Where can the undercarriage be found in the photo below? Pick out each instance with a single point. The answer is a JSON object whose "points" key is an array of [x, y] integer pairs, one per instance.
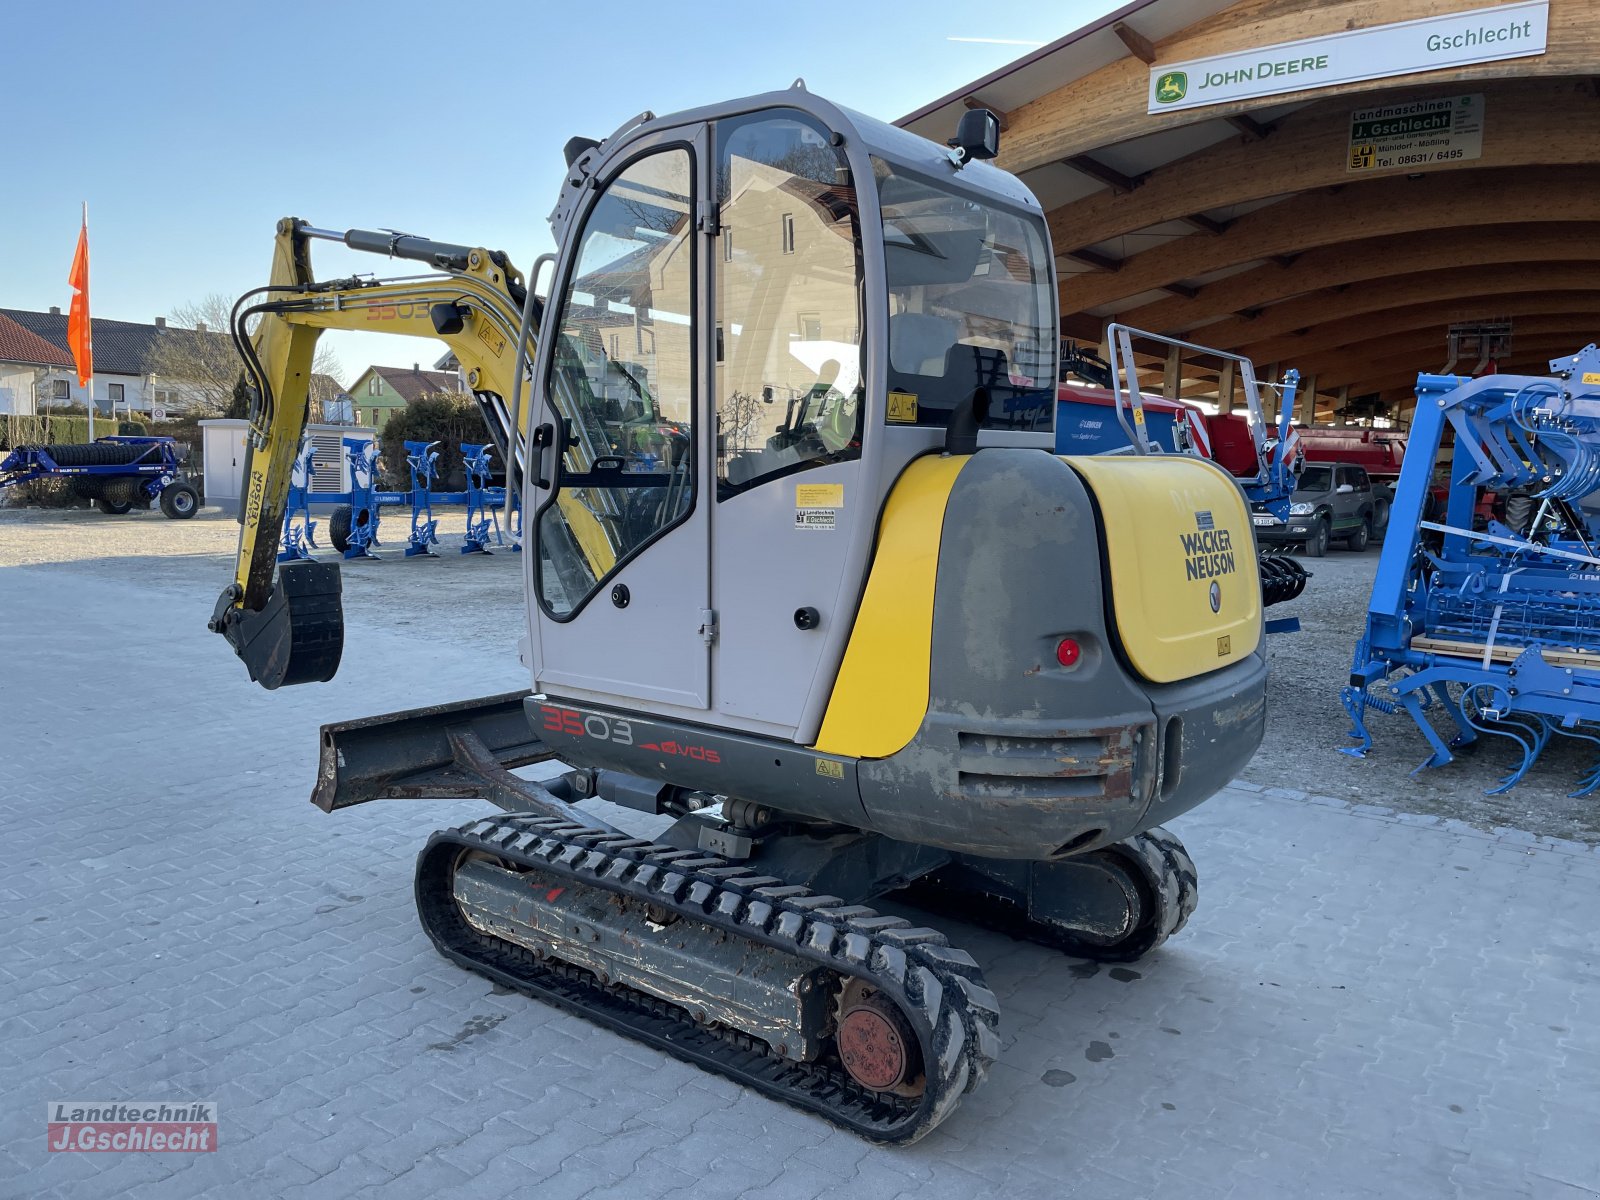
{"points": [[764, 962]]}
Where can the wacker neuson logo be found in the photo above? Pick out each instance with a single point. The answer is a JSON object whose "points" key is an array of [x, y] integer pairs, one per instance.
{"points": [[1401, 48], [1207, 553], [99, 1126]]}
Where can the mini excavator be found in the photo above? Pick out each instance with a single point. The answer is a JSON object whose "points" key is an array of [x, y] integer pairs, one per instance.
{"points": [[804, 574]]}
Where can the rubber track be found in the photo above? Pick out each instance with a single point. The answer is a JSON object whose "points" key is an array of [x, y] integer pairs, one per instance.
{"points": [[1164, 868], [939, 988]]}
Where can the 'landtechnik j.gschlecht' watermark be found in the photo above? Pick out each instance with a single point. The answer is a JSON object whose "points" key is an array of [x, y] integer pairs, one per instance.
{"points": [[131, 1125]]}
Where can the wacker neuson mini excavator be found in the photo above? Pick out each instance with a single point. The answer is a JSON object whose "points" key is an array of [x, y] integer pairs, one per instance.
{"points": [[803, 572]]}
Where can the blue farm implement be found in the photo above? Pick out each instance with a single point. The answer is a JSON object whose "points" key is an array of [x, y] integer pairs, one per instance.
{"points": [[1497, 629], [114, 472], [354, 520]]}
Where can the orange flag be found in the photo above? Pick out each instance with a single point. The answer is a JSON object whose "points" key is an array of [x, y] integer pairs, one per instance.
{"points": [[79, 336]]}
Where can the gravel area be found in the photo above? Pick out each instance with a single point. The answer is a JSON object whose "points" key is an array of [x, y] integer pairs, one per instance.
{"points": [[473, 599]]}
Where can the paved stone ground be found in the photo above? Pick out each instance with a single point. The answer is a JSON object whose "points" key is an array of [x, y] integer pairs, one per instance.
{"points": [[1366, 1003]]}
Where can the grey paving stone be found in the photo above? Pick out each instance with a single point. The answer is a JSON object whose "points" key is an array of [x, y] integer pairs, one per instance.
{"points": [[1341, 986]]}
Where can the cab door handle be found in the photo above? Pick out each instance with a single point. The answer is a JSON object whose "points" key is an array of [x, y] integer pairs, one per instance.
{"points": [[544, 436]]}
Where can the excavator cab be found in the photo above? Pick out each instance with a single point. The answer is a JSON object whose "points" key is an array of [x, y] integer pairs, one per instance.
{"points": [[812, 297], [805, 574]]}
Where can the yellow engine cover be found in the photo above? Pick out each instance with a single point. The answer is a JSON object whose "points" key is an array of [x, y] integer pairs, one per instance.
{"points": [[1186, 594]]}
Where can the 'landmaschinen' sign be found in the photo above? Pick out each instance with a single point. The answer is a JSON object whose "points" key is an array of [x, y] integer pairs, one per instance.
{"points": [[1429, 44]]}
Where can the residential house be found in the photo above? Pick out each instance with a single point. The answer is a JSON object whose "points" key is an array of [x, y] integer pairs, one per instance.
{"points": [[123, 379], [26, 361], [378, 391]]}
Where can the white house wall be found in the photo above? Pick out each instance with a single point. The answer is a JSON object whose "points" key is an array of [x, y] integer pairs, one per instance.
{"points": [[16, 389]]}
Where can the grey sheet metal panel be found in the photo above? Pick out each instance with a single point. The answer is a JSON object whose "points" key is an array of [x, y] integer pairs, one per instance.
{"points": [[1020, 757], [723, 762]]}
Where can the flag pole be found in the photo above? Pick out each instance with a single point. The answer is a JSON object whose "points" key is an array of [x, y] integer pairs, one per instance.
{"points": [[90, 397]]}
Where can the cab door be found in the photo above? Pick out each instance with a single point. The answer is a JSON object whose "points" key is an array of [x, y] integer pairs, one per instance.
{"points": [[791, 524], [618, 580]]}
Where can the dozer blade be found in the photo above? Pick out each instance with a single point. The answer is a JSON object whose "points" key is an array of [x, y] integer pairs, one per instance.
{"points": [[298, 636], [863, 1019]]}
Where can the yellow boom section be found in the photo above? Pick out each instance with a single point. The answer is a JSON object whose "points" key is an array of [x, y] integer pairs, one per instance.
{"points": [[296, 310]]}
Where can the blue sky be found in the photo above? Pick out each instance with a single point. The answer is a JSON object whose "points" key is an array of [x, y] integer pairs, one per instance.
{"points": [[190, 128]]}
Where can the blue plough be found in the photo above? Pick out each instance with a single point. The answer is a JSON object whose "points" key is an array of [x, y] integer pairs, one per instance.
{"points": [[355, 519]]}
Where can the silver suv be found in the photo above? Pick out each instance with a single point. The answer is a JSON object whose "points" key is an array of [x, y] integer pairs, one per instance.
{"points": [[1332, 501]]}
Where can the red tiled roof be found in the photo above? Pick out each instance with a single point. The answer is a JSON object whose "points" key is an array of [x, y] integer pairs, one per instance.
{"points": [[18, 345]]}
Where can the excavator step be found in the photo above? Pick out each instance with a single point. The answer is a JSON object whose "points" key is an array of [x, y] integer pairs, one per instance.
{"points": [[902, 1009]]}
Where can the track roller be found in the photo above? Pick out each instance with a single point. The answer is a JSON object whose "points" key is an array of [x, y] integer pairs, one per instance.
{"points": [[1115, 904]]}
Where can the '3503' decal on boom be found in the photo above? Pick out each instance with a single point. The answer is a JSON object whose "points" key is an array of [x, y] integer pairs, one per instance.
{"points": [[572, 723]]}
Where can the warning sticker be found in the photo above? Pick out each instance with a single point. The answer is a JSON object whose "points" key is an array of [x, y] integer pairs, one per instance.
{"points": [[816, 520], [903, 408], [819, 495], [831, 770], [1427, 133], [1591, 376]]}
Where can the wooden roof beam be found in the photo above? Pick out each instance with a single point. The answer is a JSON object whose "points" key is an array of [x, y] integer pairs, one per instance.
{"points": [[1204, 223], [1108, 105], [1296, 159], [1389, 206], [1108, 175], [1464, 284], [1368, 260], [1093, 258], [1383, 362], [1251, 128], [1533, 312], [1138, 45]]}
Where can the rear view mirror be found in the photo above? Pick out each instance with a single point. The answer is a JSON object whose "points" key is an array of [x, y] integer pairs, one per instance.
{"points": [[1344, 489], [977, 136]]}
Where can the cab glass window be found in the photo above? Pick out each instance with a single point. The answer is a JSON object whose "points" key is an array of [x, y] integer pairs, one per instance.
{"points": [[971, 310], [622, 382], [788, 302]]}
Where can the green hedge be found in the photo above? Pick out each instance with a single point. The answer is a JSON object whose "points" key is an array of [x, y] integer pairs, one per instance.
{"points": [[48, 428], [448, 418]]}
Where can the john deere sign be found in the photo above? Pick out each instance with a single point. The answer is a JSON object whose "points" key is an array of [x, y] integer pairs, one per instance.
{"points": [[1429, 44]]}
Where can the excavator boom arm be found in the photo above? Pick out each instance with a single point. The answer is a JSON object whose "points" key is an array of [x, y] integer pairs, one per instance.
{"points": [[286, 622]]}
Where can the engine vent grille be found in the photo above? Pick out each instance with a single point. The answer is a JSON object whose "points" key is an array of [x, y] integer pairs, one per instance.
{"points": [[1089, 765]]}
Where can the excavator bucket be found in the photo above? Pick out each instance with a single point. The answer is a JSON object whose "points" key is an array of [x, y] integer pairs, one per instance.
{"points": [[298, 636]]}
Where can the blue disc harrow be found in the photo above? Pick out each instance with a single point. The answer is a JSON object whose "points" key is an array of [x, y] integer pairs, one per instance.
{"points": [[1496, 628]]}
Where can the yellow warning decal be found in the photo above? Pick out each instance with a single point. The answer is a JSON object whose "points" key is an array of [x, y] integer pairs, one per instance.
{"points": [[819, 495], [1138, 414], [831, 770], [1225, 646], [1591, 376], [489, 335], [903, 408]]}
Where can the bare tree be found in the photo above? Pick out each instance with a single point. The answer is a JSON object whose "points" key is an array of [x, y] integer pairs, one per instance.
{"points": [[195, 352], [737, 418]]}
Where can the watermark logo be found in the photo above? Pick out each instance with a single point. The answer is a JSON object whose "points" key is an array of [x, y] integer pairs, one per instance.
{"points": [[1172, 87], [113, 1126]]}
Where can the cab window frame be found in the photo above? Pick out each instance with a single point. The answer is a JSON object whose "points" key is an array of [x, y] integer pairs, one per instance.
{"points": [[560, 295], [788, 248]]}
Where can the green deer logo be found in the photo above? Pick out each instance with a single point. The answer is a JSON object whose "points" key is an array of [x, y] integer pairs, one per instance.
{"points": [[1172, 87]]}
